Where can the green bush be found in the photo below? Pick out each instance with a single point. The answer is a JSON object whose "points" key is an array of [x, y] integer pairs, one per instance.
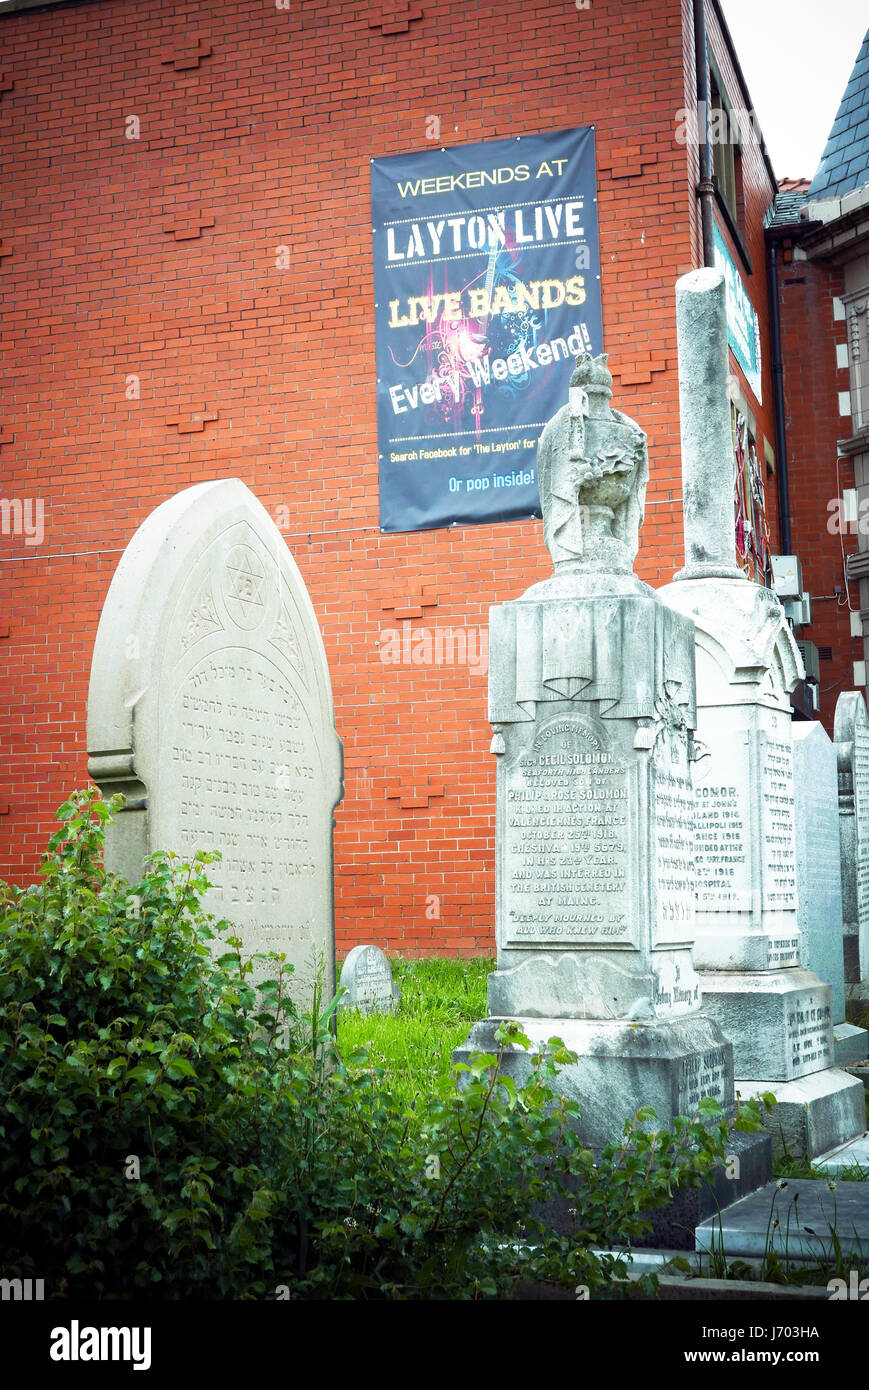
{"points": [[168, 1131]]}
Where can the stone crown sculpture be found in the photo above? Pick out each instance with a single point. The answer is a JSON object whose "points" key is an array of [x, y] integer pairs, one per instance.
{"points": [[593, 467]]}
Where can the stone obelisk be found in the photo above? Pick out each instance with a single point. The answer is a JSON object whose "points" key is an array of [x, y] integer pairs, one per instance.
{"points": [[591, 701], [777, 1015]]}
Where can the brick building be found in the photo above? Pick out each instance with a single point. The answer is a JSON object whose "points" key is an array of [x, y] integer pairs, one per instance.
{"points": [[818, 233], [187, 283]]}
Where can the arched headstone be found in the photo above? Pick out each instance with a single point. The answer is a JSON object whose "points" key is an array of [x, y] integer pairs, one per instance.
{"points": [[367, 977], [210, 707]]}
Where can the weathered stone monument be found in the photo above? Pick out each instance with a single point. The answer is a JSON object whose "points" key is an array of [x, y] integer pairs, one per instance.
{"points": [[851, 734], [591, 701], [367, 977], [210, 708], [748, 945], [819, 877]]}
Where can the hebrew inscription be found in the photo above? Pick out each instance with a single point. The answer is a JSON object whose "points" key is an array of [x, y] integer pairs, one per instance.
{"points": [[777, 792], [248, 771], [861, 808]]}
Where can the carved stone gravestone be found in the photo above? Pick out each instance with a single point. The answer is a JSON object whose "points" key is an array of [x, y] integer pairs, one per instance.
{"points": [[591, 700], [819, 877], [851, 734], [748, 946], [210, 707], [367, 976]]}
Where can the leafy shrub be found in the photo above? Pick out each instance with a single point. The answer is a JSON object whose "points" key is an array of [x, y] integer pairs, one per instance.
{"points": [[166, 1130]]}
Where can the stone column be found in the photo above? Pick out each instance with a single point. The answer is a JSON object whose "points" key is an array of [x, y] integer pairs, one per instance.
{"points": [[748, 942], [704, 416]]}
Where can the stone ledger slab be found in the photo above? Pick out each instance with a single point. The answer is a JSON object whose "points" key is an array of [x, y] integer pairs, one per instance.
{"points": [[210, 707], [806, 1210]]}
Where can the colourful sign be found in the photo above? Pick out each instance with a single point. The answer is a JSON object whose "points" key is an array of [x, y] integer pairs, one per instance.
{"points": [[486, 288], [743, 327]]}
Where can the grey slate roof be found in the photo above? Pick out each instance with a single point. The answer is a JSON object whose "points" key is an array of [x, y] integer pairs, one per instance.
{"points": [[845, 162], [785, 211]]}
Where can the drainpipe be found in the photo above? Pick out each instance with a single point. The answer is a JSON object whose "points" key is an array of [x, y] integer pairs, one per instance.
{"points": [[781, 453], [705, 190]]}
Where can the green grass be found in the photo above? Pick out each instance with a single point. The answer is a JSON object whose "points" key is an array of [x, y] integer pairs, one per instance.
{"points": [[440, 998]]}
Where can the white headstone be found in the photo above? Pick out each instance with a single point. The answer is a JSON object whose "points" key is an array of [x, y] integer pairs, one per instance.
{"points": [[851, 733], [367, 976], [210, 707]]}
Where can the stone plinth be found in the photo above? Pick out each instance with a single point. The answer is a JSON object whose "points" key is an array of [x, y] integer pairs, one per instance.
{"points": [[748, 948], [669, 1066]]}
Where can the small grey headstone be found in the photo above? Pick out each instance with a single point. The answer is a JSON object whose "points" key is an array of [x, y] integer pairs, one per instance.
{"points": [[367, 976]]}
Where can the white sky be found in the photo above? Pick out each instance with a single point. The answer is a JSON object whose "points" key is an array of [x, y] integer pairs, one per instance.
{"points": [[797, 56]]}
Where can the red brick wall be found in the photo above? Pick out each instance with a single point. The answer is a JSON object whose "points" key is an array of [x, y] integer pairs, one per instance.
{"points": [[271, 136], [813, 423]]}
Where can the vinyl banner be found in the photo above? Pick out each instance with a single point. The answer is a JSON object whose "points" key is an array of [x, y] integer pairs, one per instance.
{"points": [[486, 287], [743, 326]]}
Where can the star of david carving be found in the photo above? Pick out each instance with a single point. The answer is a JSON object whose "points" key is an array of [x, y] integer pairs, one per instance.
{"points": [[243, 586]]}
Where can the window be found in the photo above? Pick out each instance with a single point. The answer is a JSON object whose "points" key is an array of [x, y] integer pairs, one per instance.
{"points": [[724, 137]]}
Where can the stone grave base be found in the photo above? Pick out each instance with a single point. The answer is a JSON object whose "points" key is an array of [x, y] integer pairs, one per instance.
{"points": [[623, 1066], [814, 1113], [778, 1020], [850, 1044]]}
